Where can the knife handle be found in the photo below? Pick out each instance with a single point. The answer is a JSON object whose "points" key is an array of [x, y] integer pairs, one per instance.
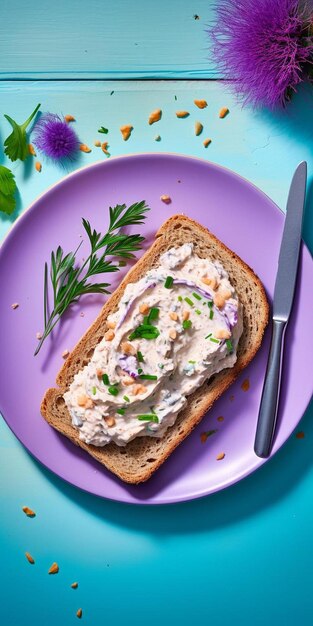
{"points": [[270, 395]]}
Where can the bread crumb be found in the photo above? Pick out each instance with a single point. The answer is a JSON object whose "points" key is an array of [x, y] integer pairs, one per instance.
{"points": [[166, 199], [157, 138], [29, 558], [220, 456], [84, 148], [29, 512], [223, 112], [15, 305], [300, 434], [79, 613], [201, 104], [54, 569], [207, 142], [38, 335], [245, 386], [69, 118], [231, 398], [182, 114], [220, 418], [31, 149], [126, 131], [38, 166], [155, 116], [198, 128], [74, 585], [65, 354], [97, 143]]}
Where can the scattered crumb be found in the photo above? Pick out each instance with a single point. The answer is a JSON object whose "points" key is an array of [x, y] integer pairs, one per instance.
{"points": [[207, 142], [97, 143], [84, 148], [126, 131], [74, 585], [38, 166], [29, 558], [155, 116], [53, 569], [198, 128], [15, 305], [157, 138], [31, 149], [29, 512], [196, 17], [220, 456], [82, 314], [69, 118], [38, 335], [231, 398], [204, 436], [175, 97], [223, 112], [79, 613], [166, 199], [65, 354], [245, 386], [104, 148], [220, 418], [201, 104], [112, 92], [300, 435], [182, 114], [179, 181]]}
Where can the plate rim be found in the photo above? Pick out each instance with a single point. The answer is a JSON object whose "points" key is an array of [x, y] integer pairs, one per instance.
{"points": [[240, 475]]}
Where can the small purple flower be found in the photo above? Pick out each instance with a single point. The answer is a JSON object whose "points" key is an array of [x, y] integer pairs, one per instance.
{"points": [[55, 138], [263, 45]]}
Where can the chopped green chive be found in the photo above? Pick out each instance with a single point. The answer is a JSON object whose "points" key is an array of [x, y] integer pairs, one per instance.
{"points": [[214, 340], [196, 295], [169, 282], [198, 311], [144, 331], [192, 362], [210, 304], [140, 358], [187, 324], [94, 390], [113, 391], [148, 377], [210, 335], [120, 411], [211, 314], [160, 365], [105, 379], [190, 302], [140, 370], [148, 418], [146, 320], [179, 299], [126, 398], [229, 345], [154, 314]]}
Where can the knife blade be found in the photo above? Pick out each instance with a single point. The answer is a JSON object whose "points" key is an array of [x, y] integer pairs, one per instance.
{"points": [[282, 305]]}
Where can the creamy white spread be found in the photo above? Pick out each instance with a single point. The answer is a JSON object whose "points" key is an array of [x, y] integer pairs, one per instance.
{"points": [[172, 331]]}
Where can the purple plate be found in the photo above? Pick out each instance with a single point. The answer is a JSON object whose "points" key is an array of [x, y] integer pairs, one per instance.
{"points": [[245, 220]]}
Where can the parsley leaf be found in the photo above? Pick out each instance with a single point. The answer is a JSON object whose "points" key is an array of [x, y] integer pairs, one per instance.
{"points": [[16, 143], [7, 190], [7, 204], [103, 130]]}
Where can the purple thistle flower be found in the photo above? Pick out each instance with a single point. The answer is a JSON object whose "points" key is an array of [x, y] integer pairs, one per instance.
{"points": [[55, 138], [264, 45]]}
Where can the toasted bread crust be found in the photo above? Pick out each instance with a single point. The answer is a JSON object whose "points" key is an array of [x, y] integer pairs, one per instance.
{"points": [[137, 461]]}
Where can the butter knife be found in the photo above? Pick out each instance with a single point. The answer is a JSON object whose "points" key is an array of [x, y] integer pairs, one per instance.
{"points": [[282, 305]]}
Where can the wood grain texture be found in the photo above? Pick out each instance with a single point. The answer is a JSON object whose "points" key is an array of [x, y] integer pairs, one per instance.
{"points": [[98, 38]]}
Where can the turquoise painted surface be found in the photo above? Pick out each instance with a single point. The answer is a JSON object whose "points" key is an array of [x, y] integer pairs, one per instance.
{"points": [[119, 39], [240, 557]]}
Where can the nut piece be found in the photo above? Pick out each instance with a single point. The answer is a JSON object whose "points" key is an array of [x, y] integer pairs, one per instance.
{"points": [[110, 421], [29, 512], [144, 308], [219, 300], [222, 333], [138, 389], [84, 401], [172, 334], [65, 354], [223, 112], [166, 199], [29, 558], [173, 316], [74, 585], [155, 116], [79, 613], [201, 104], [186, 315], [220, 456], [198, 128], [111, 324], [128, 348], [99, 373], [126, 131], [207, 142], [211, 282], [182, 114], [127, 380], [31, 149], [38, 166], [15, 305], [53, 569], [97, 143], [109, 335], [69, 118], [84, 148]]}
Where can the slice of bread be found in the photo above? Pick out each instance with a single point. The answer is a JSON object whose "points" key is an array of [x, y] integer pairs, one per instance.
{"points": [[138, 460]]}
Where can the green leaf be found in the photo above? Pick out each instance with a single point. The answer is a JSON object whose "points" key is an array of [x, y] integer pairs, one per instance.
{"points": [[7, 203], [7, 182], [16, 144]]}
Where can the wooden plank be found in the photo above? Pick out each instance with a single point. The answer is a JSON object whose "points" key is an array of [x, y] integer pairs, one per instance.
{"points": [[98, 38]]}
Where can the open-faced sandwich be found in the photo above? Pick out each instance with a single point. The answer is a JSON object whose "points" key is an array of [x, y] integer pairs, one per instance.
{"points": [[184, 322]]}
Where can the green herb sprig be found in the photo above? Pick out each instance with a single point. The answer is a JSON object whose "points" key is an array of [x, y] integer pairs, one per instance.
{"points": [[16, 144], [70, 281], [7, 190]]}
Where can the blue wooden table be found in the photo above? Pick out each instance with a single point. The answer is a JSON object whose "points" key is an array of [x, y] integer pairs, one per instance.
{"points": [[242, 556]]}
